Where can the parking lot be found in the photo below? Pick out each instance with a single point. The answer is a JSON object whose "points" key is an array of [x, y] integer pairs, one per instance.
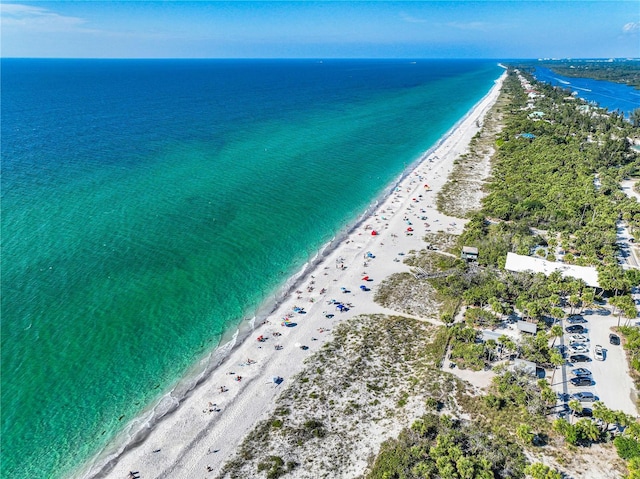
{"points": [[612, 383]]}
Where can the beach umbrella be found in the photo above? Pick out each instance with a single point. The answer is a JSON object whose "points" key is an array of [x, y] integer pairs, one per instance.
{"points": [[366, 278], [374, 233], [409, 229]]}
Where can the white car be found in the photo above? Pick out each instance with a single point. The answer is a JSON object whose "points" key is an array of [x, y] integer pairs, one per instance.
{"points": [[578, 338], [579, 348], [598, 353]]}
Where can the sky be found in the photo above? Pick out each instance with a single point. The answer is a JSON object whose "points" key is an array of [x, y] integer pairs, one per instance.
{"points": [[499, 29]]}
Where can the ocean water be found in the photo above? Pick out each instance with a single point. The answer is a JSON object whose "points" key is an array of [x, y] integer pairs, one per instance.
{"points": [[149, 208], [609, 95]]}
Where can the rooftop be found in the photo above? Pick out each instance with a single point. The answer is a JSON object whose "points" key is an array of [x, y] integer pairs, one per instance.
{"points": [[517, 262]]}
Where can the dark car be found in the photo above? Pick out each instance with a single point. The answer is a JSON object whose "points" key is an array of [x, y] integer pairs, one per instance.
{"points": [[576, 328], [579, 358], [581, 372], [586, 412], [614, 339], [581, 381], [576, 319], [584, 396]]}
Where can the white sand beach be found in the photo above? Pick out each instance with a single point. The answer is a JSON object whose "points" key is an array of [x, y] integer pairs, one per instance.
{"points": [[205, 430]]}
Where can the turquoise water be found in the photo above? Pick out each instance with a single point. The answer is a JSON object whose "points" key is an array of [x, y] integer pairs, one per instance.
{"points": [[149, 206]]}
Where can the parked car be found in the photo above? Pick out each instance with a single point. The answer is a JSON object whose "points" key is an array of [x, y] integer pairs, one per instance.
{"points": [[598, 353], [576, 319], [614, 339], [579, 348], [584, 396], [586, 412], [578, 338], [579, 358], [581, 372], [576, 328], [581, 381]]}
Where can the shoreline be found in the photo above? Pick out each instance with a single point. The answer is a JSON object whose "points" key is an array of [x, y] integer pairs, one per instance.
{"points": [[202, 429]]}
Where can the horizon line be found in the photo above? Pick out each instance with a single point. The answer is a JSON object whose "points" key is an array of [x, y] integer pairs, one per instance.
{"points": [[328, 58]]}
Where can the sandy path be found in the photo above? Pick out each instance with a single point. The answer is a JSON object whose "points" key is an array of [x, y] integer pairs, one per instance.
{"points": [[194, 439]]}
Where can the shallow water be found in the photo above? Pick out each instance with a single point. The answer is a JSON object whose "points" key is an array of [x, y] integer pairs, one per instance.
{"points": [[150, 206]]}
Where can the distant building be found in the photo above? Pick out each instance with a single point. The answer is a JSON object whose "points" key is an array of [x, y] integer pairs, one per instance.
{"points": [[527, 327], [518, 262], [488, 335], [470, 253]]}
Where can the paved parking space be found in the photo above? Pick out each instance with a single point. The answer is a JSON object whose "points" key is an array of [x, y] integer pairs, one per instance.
{"points": [[613, 384]]}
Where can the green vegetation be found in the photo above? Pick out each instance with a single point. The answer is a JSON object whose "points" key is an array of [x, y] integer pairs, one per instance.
{"points": [[441, 446], [632, 345], [548, 183], [275, 467], [461, 195], [540, 471], [556, 196], [513, 394], [373, 373]]}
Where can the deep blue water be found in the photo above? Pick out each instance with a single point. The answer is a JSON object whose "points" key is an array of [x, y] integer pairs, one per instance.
{"points": [[149, 206], [609, 95]]}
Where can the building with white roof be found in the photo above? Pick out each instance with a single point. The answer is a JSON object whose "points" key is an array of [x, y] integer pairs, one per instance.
{"points": [[517, 262]]}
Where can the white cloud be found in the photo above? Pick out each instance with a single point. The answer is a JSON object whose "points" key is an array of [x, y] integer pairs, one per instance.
{"points": [[411, 19], [36, 18], [631, 27]]}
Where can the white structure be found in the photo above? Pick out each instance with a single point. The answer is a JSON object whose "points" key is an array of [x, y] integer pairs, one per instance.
{"points": [[526, 327], [517, 262]]}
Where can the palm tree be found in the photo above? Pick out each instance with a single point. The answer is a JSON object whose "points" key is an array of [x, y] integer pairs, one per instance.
{"points": [[555, 332], [606, 415], [574, 300], [625, 305], [557, 313], [557, 360], [507, 344], [525, 433], [548, 396], [588, 429], [575, 406], [588, 299], [490, 347]]}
